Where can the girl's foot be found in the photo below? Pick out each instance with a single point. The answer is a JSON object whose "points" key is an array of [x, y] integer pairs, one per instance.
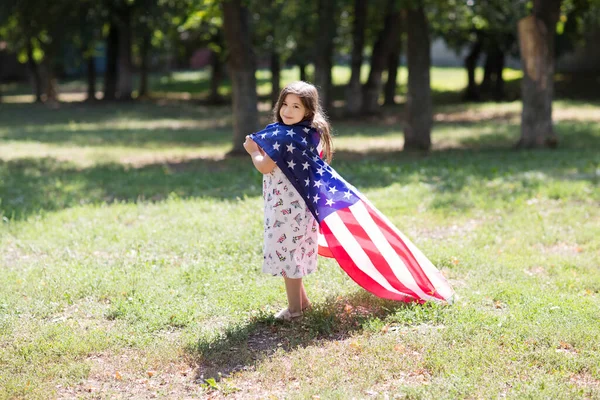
{"points": [[307, 307], [286, 315]]}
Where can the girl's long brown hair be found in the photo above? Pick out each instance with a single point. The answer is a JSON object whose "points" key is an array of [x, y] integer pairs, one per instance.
{"points": [[310, 99]]}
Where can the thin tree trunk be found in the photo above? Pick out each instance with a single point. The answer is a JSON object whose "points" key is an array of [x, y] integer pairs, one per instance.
{"points": [[472, 92], [91, 78], [125, 80], [302, 68], [498, 91], [381, 50], [242, 69], [393, 63], [275, 76], [354, 89], [536, 40], [324, 51], [216, 75], [417, 133], [145, 50], [111, 72], [35, 73], [49, 84]]}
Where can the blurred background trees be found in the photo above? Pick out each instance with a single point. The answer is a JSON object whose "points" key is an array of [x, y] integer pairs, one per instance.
{"points": [[115, 45]]}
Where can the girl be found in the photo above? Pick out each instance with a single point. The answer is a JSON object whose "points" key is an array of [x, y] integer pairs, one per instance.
{"points": [[291, 231], [303, 195]]}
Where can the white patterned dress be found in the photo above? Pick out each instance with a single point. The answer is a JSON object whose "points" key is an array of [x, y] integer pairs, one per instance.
{"points": [[291, 232]]}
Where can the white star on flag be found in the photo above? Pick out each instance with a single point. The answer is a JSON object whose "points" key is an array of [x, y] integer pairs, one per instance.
{"points": [[307, 181], [264, 135], [305, 166], [329, 202], [316, 198], [291, 164], [316, 158], [290, 148], [303, 153], [306, 130], [347, 195], [276, 146], [318, 184], [290, 133], [275, 132], [320, 171], [304, 140], [332, 190]]}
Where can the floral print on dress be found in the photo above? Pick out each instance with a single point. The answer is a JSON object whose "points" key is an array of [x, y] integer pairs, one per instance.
{"points": [[290, 231]]}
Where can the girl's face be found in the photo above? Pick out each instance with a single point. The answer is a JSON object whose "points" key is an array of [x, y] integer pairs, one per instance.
{"points": [[292, 110]]}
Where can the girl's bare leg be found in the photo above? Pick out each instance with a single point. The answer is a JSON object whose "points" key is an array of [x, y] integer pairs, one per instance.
{"points": [[294, 290], [305, 301]]}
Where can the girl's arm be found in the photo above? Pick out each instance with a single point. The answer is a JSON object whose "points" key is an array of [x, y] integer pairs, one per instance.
{"points": [[263, 163]]}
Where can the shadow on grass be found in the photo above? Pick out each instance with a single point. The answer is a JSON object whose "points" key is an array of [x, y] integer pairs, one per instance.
{"points": [[31, 186], [243, 346]]}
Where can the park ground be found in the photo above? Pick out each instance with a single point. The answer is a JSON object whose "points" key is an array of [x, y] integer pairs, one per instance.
{"points": [[130, 254]]}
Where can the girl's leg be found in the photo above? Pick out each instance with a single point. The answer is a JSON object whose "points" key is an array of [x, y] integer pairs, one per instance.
{"points": [[294, 289], [305, 301]]}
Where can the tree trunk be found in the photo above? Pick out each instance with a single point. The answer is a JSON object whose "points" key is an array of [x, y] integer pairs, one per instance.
{"points": [[125, 80], [35, 73], [49, 80], [302, 68], [353, 90], [536, 42], [472, 92], [393, 63], [275, 76], [381, 51], [144, 54], [242, 70], [91, 78], [493, 83], [324, 51], [111, 72], [417, 133], [498, 90], [216, 75]]}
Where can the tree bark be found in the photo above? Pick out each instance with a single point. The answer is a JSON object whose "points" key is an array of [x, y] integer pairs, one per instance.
{"points": [[35, 72], [324, 51], [242, 69], [393, 63], [216, 75], [354, 88], [91, 78], [125, 76], [381, 50], [275, 76], [472, 92], [417, 133], [536, 42], [111, 72], [144, 54], [493, 83]]}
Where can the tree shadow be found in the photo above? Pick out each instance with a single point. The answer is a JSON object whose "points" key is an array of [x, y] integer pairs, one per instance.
{"points": [[243, 346], [30, 186]]}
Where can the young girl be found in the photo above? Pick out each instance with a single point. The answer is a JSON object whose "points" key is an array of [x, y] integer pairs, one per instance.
{"points": [[291, 231], [303, 195]]}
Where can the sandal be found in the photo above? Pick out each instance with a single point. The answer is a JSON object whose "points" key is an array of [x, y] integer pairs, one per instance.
{"points": [[286, 315]]}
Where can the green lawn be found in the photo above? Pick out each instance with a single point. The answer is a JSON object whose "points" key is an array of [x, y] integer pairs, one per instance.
{"points": [[130, 256]]}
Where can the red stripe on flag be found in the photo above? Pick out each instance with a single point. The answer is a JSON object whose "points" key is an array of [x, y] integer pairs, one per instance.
{"points": [[348, 265], [378, 260], [405, 254]]}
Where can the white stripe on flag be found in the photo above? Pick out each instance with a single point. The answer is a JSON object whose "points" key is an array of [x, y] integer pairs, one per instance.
{"points": [[435, 276], [356, 253], [394, 261], [322, 242]]}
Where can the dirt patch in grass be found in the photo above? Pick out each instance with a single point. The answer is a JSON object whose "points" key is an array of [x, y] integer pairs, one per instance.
{"points": [[133, 375]]}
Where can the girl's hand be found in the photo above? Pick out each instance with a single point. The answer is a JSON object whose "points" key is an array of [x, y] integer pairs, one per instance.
{"points": [[250, 145]]}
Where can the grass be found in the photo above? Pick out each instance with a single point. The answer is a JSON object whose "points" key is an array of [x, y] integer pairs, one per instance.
{"points": [[130, 254]]}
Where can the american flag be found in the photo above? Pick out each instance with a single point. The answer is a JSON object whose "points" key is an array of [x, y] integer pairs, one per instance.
{"points": [[366, 245]]}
